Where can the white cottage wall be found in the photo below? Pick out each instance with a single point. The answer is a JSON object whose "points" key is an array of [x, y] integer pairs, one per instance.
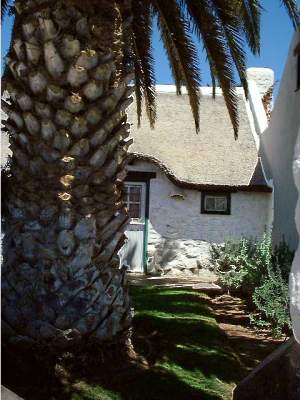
{"points": [[277, 150], [180, 236], [295, 271]]}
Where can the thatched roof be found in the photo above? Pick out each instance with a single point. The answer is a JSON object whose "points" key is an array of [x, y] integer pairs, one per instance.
{"points": [[212, 159]]}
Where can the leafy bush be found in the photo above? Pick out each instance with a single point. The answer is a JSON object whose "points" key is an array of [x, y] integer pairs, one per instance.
{"points": [[241, 264], [260, 274], [272, 302]]}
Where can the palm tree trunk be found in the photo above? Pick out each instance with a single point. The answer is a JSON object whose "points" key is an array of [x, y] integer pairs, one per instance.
{"points": [[68, 86]]}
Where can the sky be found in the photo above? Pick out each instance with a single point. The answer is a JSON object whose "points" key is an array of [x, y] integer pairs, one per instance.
{"points": [[276, 34]]}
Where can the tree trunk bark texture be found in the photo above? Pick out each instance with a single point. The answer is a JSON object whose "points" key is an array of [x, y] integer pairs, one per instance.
{"points": [[68, 87]]}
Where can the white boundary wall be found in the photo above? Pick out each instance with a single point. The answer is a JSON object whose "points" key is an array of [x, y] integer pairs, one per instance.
{"points": [[295, 272]]}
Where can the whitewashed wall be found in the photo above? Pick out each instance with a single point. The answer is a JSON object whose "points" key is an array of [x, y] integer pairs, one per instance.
{"points": [[295, 272], [179, 234], [277, 150]]}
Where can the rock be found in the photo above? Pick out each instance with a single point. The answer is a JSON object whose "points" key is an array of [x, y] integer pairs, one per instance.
{"points": [[85, 228], [276, 378], [208, 287]]}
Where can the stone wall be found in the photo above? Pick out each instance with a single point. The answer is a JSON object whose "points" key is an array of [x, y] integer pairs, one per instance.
{"points": [[180, 236]]}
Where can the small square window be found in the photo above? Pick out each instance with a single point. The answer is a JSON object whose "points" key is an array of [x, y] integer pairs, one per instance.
{"points": [[215, 203]]}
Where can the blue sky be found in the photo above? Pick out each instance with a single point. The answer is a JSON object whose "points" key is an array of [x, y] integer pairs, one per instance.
{"points": [[276, 33]]}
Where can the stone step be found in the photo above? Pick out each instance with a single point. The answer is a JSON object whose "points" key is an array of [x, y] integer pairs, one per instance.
{"points": [[208, 288]]}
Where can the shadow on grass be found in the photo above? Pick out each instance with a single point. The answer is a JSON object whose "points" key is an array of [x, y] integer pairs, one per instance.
{"points": [[176, 332], [189, 351]]}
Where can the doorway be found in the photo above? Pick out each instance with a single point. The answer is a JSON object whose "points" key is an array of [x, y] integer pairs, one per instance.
{"points": [[133, 251]]}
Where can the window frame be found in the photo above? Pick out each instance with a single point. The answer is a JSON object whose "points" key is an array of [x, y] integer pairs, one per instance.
{"points": [[140, 220], [216, 194]]}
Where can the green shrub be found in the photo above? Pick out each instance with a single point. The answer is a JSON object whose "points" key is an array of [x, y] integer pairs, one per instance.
{"points": [[241, 264], [260, 274], [272, 303], [282, 258]]}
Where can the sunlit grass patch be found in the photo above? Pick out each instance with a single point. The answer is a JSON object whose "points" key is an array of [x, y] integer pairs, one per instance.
{"points": [[192, 360], [189, 356]]}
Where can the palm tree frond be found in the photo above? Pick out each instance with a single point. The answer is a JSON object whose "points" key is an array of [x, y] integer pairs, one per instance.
{"points": [[138, 93], [4, 8], [212, 73], [291, 8], [172, 55], [210, 31], [231, 27], [175, 29], [249, 12], [144, 62]]}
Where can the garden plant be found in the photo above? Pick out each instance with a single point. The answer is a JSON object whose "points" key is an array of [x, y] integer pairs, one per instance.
{"points": [[252, 268]]}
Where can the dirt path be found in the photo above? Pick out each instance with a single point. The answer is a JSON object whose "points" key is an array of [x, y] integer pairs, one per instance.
{"points": [[204, 281], [251, 345]]}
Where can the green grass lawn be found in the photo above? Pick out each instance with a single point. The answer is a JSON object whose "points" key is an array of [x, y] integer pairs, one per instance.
{"points": [[191, 357]]}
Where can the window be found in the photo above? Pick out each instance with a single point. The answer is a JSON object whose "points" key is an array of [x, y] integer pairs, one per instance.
{"points": [[215, 203], [133, 198]]}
